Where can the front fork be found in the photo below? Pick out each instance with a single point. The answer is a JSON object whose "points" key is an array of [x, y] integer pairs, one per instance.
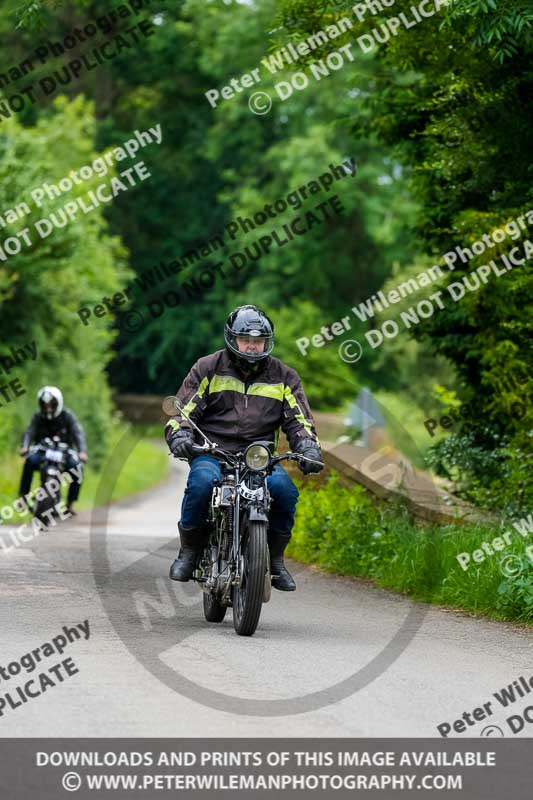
{"points": [[255, 513]]}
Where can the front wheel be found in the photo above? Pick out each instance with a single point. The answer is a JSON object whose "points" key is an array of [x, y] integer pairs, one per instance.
{"points": [[42, 507], [248, 597], [213, 611]]}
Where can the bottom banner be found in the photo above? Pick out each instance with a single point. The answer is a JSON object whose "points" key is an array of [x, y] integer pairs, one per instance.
{"points": [[51, 769]]}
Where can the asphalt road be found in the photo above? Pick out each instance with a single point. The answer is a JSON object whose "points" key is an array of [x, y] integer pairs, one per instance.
{"points": [[151, 659]]}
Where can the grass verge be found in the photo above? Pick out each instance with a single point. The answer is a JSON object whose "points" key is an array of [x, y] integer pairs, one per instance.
{"points": [[146, 466], [347, 532]]}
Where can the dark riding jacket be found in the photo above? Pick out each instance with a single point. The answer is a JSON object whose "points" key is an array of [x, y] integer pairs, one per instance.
{"points": [[66, 425], [234, 411]]}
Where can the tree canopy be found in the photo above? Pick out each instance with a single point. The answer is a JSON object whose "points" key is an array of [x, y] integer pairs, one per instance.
{"points": [[437, 121]]}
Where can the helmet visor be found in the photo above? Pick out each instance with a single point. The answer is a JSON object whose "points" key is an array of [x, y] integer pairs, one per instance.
{"points": [[48, 410], [251, 346]]}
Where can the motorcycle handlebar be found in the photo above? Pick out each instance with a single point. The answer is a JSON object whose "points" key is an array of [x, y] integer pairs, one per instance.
{"points": [[199, 449], [44, 446], [296, 457]]}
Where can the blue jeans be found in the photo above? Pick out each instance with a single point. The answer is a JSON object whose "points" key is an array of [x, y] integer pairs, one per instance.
{"points": [[205, 470]]}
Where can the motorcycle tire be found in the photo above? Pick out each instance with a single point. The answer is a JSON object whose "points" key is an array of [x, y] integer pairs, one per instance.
{"points": [[248, 597], [43, 506], [213, 611]]}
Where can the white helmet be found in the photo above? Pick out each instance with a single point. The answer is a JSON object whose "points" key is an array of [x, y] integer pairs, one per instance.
{"points": [[50, 401]]}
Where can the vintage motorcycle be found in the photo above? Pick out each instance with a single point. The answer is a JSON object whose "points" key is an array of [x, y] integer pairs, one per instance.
{"points": [[53, 464], [234, 567]]}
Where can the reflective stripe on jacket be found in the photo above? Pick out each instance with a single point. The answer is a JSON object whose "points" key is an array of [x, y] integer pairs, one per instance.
{"points": [[233, 411]]}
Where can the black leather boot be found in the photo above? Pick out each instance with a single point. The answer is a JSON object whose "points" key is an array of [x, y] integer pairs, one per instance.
{"points": [[281, 577], [192, 542]]}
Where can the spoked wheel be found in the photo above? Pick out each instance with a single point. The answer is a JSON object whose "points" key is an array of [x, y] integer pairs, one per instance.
{"points": [[248, 597], [213, 611]]}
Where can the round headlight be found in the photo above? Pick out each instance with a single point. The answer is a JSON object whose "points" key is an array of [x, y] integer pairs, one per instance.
{"points": [[257, 457]]}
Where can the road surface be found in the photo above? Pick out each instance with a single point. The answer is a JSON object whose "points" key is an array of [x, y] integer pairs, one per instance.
{"points": [[141, 650]]}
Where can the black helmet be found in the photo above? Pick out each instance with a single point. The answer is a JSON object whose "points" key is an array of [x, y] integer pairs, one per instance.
{"points": [[248, 322]]}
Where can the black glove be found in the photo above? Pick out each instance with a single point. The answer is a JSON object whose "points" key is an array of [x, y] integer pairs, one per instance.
{"points": [[310, 449], [181, 444]]}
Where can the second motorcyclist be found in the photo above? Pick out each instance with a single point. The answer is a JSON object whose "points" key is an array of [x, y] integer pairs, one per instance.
{"points": [[52, 419]]}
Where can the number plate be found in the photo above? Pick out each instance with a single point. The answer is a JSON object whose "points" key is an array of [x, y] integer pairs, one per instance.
{"points": [[53, 455]]}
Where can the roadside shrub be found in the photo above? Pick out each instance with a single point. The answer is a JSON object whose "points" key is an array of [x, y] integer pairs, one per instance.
{"points": [[494, 474], [350, 533]]}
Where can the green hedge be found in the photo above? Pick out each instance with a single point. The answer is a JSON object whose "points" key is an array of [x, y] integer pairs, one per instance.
{"points": [[347, 532], [42, 288]]}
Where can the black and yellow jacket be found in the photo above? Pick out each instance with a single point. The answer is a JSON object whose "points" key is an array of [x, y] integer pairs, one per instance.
{"points": [[233, 411]]}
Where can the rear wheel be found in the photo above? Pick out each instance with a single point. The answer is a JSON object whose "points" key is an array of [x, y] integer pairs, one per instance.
{"points": [[248, 597], [213, 611]]}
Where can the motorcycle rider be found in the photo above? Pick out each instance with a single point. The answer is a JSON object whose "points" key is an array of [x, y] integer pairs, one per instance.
{"points": [[53, 420], [239, 395]]}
